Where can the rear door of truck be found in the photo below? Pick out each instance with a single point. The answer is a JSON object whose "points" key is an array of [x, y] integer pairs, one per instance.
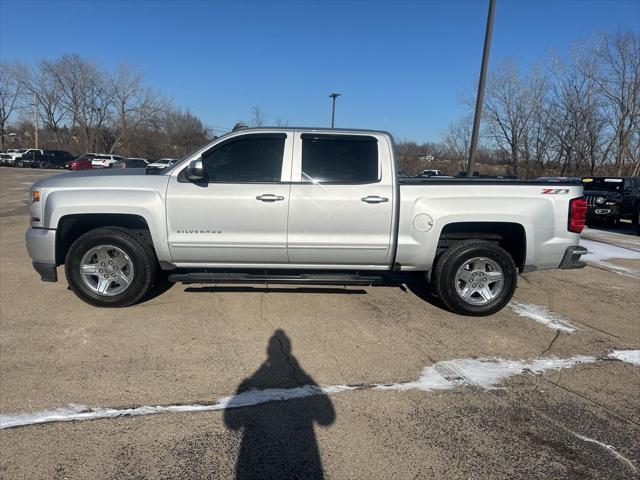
{"points": [[342, 201]]}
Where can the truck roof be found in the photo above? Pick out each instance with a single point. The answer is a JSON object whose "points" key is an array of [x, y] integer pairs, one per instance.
{"points": [[312, 129]]}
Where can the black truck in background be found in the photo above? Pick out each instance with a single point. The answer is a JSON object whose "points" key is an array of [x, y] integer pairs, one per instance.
{"points": [[610, 199], [44, 159]]}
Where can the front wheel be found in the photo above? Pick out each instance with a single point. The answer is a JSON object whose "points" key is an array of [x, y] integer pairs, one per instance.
{"points": [[110, 267], [475, 277]]}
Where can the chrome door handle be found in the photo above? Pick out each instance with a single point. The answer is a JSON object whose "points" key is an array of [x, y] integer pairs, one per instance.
{"points": [[374, 199], [269, 197]]}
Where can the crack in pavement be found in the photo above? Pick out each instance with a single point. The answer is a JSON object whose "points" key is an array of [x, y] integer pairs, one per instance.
{"points": [[551, 344]]}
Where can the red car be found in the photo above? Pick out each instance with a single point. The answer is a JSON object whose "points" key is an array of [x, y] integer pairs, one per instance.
{"points": [[80, 163]]}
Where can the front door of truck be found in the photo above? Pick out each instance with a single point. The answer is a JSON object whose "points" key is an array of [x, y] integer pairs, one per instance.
{"points": [[342, 200], [238, 216]]}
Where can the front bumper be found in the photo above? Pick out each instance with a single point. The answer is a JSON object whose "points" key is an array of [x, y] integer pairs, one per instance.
{"points": [[41, 245], [571, 258]]}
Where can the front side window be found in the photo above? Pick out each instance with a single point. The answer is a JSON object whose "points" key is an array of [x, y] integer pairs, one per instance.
{"points": [[339, 159], [248, 158]]}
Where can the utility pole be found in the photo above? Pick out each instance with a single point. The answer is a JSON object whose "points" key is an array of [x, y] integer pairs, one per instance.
{"points": [[333, 110], [35, 116], [480, 98]]}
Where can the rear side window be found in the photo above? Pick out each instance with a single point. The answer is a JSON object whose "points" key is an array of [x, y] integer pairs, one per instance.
{"points": [[339, 159], [248, 158]]}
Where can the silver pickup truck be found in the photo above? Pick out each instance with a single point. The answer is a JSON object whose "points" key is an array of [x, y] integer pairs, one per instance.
{"points": [[309, 206]]}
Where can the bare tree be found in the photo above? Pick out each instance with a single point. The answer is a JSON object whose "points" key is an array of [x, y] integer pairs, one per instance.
{"points": [[40, 81], [134, 105], [184, 132], [619, 81], [506, 110], [10, 90], [457, 141], [258, 116]]}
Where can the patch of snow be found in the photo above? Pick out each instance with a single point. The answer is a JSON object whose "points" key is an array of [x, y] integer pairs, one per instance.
{"points": [[600, 252], [542, 315], [609, 448], [446, 375], [628, 356]]}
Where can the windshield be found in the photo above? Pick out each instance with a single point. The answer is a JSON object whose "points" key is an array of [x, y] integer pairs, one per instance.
{"points": [[602, 184]]}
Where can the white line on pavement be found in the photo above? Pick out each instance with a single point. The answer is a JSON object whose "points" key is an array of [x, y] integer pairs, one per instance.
{"points": [[446, 375]]}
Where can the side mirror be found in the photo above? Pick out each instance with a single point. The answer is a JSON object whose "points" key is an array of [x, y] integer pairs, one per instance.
{"points": [[195, 171]]}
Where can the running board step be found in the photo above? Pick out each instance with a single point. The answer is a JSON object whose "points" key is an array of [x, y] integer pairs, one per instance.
{"points": [[304, 278]]}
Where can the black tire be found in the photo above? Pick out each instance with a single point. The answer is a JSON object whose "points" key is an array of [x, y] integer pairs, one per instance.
{"points": [[139, 251], [43, 164], [613, 221], [443, 276]]}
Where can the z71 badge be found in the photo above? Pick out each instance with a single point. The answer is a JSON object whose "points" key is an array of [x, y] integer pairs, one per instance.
{"points": [[555, 191]]}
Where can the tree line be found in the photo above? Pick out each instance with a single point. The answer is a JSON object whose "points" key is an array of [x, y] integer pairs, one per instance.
{"points": [[82, 107], [567, 117]]}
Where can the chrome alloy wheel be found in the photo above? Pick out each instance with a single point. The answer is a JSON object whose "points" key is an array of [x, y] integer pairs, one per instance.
{"points": [[479, 280], [106, 270]]}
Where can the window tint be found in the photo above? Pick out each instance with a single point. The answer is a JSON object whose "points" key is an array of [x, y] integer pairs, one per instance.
{"points": [[249, 158], [339, 158]]}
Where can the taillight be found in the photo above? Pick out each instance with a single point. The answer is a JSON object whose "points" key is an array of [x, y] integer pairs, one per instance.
{"points": [[577, 214]]}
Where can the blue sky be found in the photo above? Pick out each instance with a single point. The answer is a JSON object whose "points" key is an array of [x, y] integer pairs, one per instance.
{"points": [[401, 66]]}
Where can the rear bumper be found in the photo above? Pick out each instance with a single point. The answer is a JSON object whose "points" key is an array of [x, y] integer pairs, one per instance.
{"points": [[41, 245], [571, 258]]}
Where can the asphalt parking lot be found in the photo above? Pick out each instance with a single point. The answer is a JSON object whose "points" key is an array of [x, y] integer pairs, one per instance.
{"points": [[362, 382]]}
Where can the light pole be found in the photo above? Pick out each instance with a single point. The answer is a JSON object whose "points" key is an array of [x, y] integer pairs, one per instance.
{"points": [[333, 110], [480, 98]]}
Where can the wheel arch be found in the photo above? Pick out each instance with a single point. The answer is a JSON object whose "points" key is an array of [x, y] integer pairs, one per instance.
{"points": [[71, 226], [511, 236]]}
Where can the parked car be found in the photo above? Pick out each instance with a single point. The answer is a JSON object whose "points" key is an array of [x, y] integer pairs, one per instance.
{"points": [[6, 159], [282, 205], [431, 173], [104, 160], [20, 154], [83, 162], [611, 198], [163, 163], [560, 179], [46, 159], [131, 163], [30, 158]]}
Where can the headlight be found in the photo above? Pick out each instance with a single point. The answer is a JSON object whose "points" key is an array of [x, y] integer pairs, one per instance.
{"points": [[35, 196], [600, 200]]}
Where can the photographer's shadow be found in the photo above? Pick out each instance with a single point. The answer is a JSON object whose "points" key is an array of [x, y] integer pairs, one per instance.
{"points": [[278, 438]]}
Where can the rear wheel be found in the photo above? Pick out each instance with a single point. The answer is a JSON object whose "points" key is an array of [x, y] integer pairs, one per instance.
{"points": [[43, 164], [110, 267], [475, 277]]}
